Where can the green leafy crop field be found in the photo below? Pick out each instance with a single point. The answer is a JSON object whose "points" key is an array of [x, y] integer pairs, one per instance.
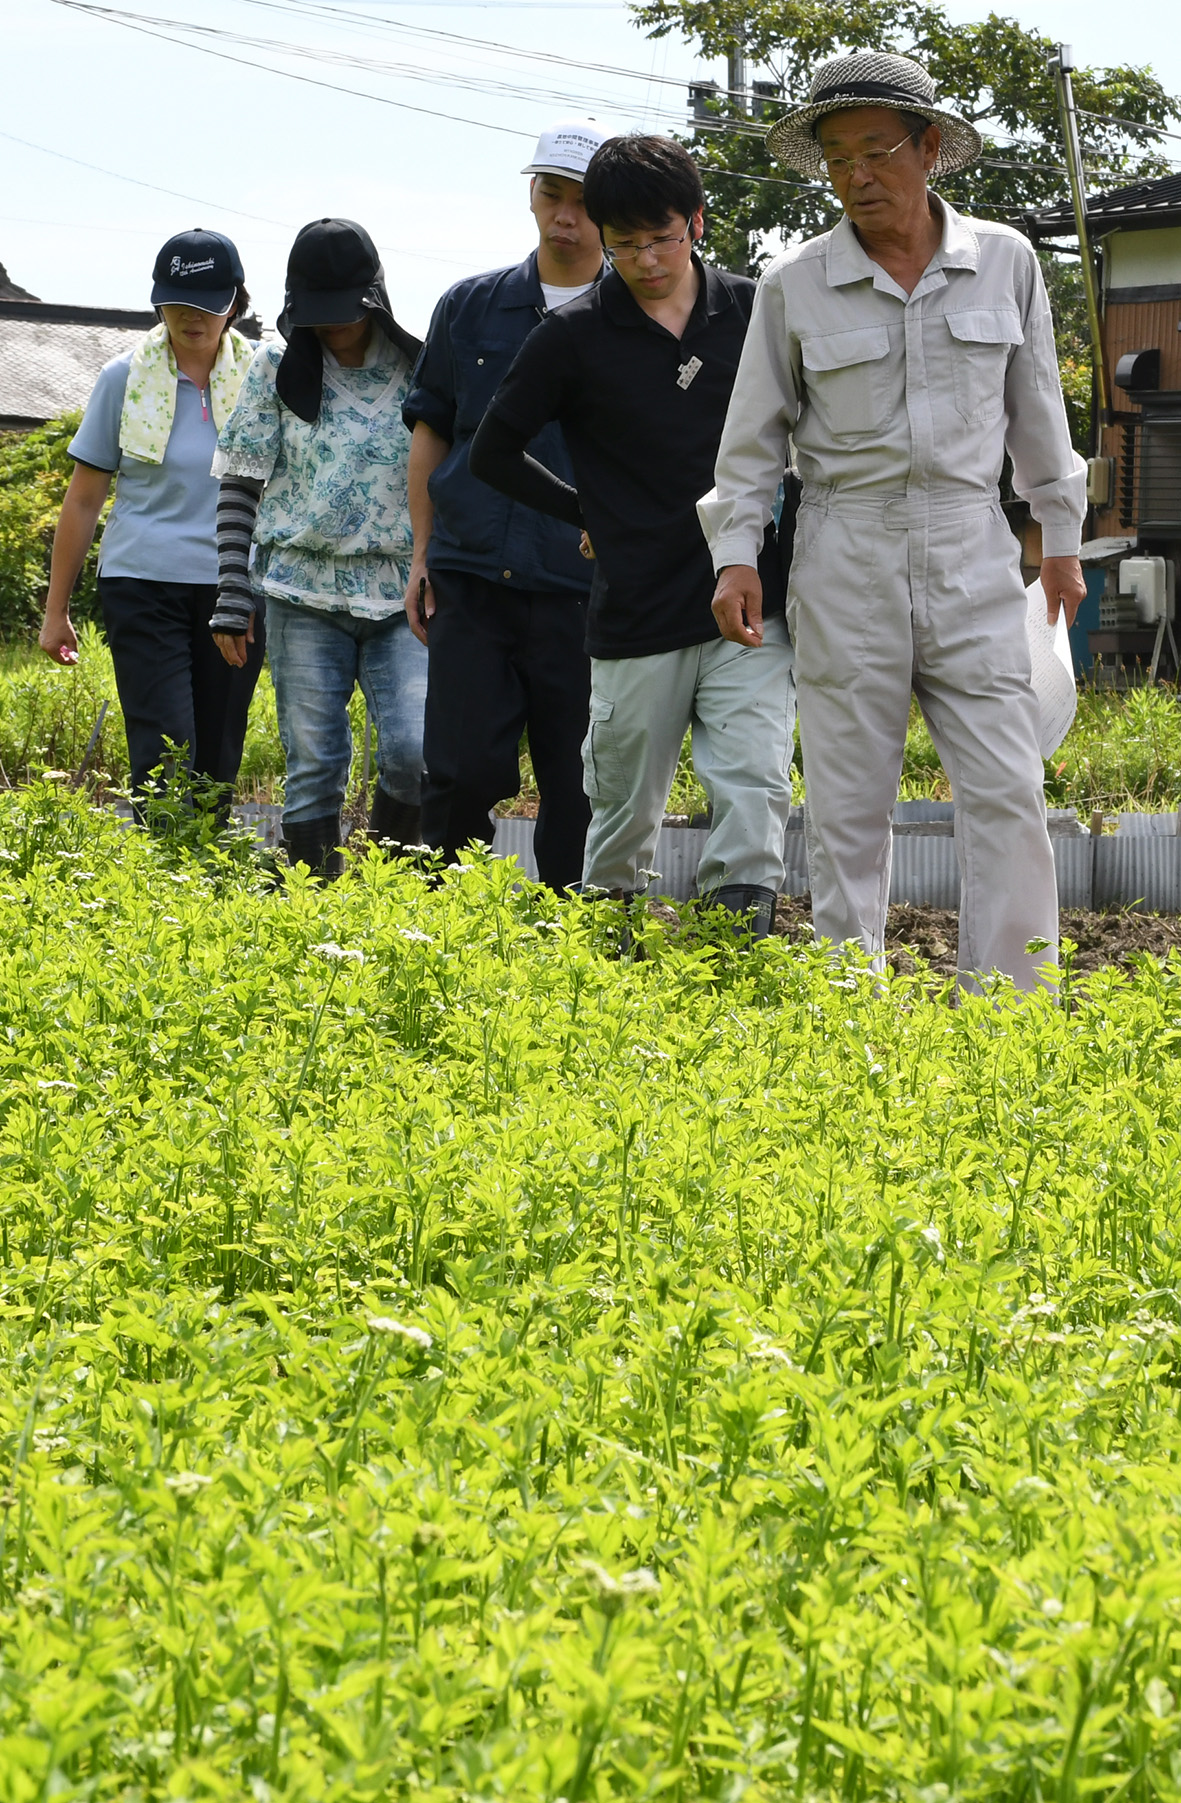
{"points": [[445, 1362]]}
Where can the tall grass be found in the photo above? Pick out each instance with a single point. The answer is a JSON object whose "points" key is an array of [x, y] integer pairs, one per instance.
{"points": [[1124, 750]]}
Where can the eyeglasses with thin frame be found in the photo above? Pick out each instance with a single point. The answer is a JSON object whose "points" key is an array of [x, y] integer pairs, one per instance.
{"points": [[660, 247], [840, 168]]}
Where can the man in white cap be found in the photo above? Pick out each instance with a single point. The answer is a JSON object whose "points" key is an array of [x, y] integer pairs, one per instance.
{"points": [[498, 592], [905, 352]]}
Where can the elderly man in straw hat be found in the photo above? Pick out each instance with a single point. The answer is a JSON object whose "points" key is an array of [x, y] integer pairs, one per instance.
{"points": [[905, 352]]}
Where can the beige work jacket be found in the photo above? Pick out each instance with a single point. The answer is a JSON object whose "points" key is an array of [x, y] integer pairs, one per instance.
{"points": [[888, 393]]}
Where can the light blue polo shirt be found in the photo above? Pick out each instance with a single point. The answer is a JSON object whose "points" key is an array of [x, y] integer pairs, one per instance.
{"points": [[163, 526]]}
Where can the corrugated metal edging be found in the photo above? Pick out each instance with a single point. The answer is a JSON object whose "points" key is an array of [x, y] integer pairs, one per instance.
{"points": [[796, 880], [906, 812], [264, 818], [513, 838], [678, 853], [1139, 867], [1149, 825], [1139, 871], [1074, 866], [924, 871]]}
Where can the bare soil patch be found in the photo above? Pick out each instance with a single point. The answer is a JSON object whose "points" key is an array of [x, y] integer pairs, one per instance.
{"points": [[1116, 937]]}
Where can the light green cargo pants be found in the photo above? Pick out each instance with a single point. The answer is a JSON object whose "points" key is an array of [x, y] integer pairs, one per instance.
{"points": [[740, 706]]}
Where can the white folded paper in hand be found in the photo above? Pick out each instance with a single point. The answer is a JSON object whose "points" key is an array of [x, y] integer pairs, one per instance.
{"points": [[1052, 669]]}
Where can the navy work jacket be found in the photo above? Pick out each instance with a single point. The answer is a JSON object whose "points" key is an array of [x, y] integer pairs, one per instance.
{"points": [[478, 327]]}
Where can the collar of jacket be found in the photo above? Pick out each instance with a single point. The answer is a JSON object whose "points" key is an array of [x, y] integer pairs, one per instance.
{"points": [[521, 287], [847, 261], [623, 309]]}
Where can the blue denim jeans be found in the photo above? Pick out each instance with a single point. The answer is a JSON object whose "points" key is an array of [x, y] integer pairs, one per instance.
{"points": [[316, 660]]}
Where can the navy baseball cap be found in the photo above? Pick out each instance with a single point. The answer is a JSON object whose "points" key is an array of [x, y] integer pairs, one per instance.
{"points": [[197, 269], [332, 268]]}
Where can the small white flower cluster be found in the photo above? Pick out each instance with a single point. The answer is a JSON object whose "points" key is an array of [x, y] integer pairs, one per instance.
{"points": [[415, 1336], [337, 954], [187, 1483], [413, 934], [610, 1594]]}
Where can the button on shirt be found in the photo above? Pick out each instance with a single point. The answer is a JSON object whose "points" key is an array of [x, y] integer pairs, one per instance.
{"points": [[477, 329], [888, 393], [642, 412]]}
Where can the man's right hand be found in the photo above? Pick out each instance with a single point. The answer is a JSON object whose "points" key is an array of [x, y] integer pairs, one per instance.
{"points": [[738, 604], [420, 601], [58, 639]]}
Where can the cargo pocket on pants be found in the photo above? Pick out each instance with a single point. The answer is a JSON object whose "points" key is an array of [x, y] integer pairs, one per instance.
{"points": [[601, 766]]}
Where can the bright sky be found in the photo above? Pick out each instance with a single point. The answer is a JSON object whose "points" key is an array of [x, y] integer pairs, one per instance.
{"points": [[256, 154]]}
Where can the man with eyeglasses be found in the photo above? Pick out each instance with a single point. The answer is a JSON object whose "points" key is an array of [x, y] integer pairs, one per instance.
{"points": [[906, 352], [638, 374], [498, 593]]}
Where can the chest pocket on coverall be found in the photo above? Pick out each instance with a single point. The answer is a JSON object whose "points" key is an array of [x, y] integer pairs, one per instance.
{"points": [[484, 363], [847, 378], [981, 340]]}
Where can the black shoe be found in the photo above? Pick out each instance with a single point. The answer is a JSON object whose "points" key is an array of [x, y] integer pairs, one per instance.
{"points": [[399, 821], [752, 907], [316, 843]]}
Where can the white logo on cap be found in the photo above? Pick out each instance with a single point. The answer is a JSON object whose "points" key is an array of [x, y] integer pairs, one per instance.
{"points": [[176, 267]]}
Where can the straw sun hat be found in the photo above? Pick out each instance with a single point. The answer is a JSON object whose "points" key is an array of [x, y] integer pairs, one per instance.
{"points": [[871, 78]]}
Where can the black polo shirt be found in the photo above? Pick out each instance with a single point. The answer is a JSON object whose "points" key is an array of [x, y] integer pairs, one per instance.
{"points": [[641, 412]]}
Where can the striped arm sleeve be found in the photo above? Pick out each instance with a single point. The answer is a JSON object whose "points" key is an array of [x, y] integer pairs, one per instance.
{"points": [[237, 509]]}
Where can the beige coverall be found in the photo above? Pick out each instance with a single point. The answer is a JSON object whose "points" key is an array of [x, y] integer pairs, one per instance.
{"points": [[906, 576]]}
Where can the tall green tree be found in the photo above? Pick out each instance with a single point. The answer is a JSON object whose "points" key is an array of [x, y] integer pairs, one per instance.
{"points": [[994, 73]]}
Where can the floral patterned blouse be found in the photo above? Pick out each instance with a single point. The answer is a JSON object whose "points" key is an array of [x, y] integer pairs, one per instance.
{"points": [[333, 528]]}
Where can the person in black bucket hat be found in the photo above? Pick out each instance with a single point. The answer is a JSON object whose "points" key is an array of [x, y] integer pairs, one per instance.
{"points": [[313, 466]]}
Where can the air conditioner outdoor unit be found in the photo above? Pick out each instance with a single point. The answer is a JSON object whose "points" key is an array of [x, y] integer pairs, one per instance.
{"points": [[1152, 583]]}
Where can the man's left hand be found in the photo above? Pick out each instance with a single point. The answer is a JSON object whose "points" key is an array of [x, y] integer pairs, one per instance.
{"points": [[1062, 579]]}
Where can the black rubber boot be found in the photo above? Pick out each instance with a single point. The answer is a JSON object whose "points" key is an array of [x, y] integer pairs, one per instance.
{"points": [[752, 907], [316, 843], [400, 821]]}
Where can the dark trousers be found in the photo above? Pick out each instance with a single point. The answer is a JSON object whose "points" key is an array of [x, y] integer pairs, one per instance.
{"points": [[173, 681], [504, 661]]}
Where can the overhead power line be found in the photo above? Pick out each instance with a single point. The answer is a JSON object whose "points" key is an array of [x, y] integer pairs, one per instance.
{"points": [[1156, 131], [115, 18], [318, 9], [215, 206], [166, 30], [137, 181]]}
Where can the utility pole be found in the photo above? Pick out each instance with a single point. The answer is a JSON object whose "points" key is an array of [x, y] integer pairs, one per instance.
{"points": [[1061, 65], [739, 100], [736, 77]]}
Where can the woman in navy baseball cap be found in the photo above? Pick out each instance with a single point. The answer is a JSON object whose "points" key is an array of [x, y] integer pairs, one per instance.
{"points": [[152, 423]]}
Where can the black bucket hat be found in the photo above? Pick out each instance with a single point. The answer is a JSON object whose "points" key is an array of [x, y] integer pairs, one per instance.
{"points": [[334, 276]]}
